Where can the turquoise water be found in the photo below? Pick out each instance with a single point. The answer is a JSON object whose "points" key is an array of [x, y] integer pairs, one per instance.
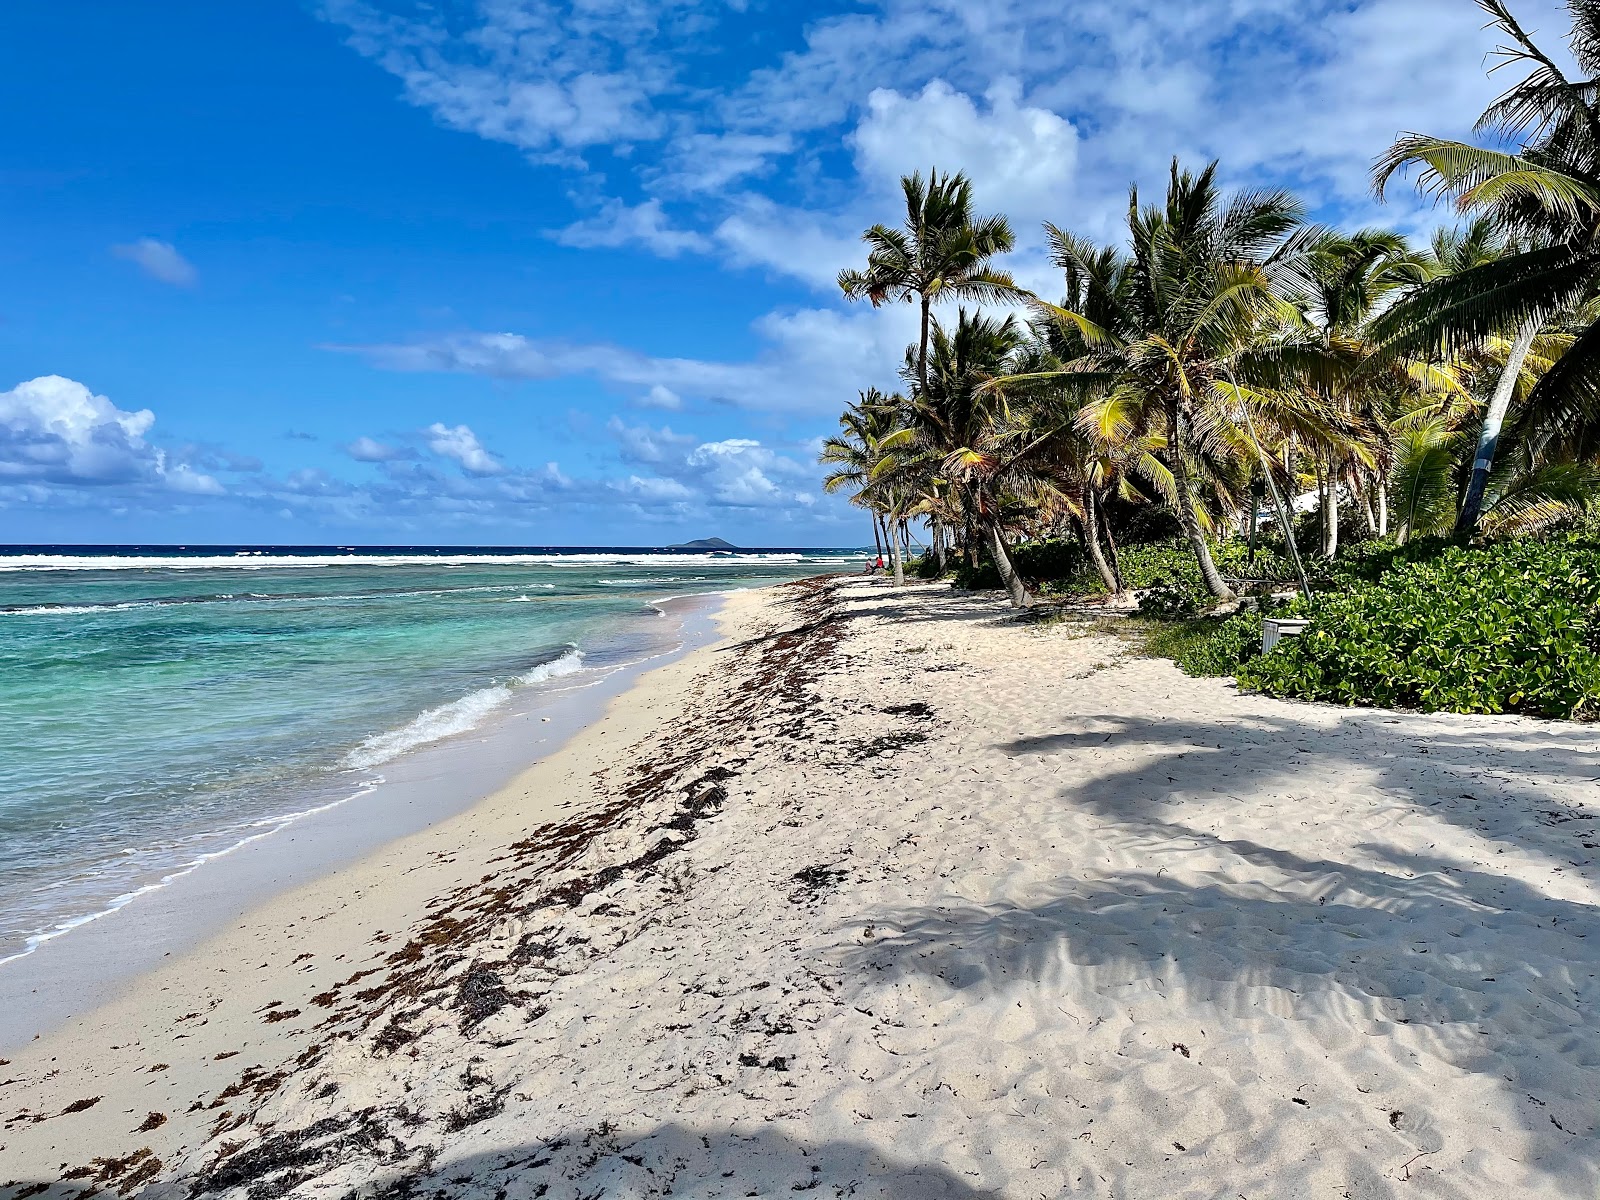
{"points": [[154, 716]]}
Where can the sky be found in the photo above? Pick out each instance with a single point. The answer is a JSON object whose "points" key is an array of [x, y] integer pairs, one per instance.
{"points": [[521, 273]]}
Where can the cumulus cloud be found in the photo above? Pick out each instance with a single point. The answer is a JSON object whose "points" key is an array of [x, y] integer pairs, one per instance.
{"points": [[1022, 154], [461, 445], [643, 224], [641, 444], [54, 430], [728, 473], [159, 260], [370, 450], [660, 397]]}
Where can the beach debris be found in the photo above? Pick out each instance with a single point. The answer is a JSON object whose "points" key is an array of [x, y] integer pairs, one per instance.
{"points": [[482, 994], [777, 1062], [815, 882], [393, 1036], [154, 1120], [280, 1162]]}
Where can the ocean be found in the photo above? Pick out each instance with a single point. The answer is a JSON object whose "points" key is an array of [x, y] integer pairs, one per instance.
{"points": [[160, 707]]}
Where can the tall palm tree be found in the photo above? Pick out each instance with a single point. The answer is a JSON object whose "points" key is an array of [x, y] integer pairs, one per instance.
{"points": [[965, 448], [942, 253], [1192, 323], [1546, 195]]}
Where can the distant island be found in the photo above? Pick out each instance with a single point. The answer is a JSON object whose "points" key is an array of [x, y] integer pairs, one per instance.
{"points": [[705, 544]]}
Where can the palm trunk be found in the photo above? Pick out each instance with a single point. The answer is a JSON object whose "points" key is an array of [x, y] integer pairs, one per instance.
{"points": [[895, 560], [1367, 513], [1116, 561], [1330, 514], [1255, 516], [939, 555], [1380, 487], [1003, 564], [877, 541], [922, 347], [1188, 515], [1489, 435], [1091, 541]]}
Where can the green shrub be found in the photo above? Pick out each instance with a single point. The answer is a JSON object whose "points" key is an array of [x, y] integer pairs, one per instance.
{"points": [[1172, 599], [1207, 645], [1062, 565], [1510, 627]]}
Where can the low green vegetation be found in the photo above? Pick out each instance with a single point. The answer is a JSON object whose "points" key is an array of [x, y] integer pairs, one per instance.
{"points": [[1506, 628], [1207, 645]]}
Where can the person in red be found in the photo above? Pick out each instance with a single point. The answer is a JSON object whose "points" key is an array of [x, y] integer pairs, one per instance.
{"points": [[880, 562]]}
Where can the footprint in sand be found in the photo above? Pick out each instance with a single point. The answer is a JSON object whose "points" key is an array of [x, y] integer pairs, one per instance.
{"points": [[1421, 1130]]}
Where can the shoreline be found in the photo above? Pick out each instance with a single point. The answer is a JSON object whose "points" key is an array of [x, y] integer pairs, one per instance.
{"points": [[95, 957], [889, 894]]}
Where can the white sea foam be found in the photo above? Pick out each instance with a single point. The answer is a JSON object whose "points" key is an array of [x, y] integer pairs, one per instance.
{"points": [[458, 716], [262, 561], [70, 610]]}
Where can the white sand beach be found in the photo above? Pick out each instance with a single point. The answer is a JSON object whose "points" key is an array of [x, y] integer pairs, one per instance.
{"points": [[889, 894]]}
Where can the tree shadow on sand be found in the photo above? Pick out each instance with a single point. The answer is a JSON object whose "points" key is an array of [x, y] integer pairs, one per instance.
{"points": [[1502, 980], [1489, 774]]}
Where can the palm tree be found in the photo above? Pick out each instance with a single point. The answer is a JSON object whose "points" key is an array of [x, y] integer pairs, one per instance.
{"points": [[855, 452], [1546, 196], [942, 253], [963, 450], [1192, 323]]}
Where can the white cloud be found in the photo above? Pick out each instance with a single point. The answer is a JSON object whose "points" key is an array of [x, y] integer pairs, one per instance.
{"points": [[159, 260], [181, 477], [365, 449], [619, 225], [461, 445], [660, 397], [803, 245], [54, 430], [1024, 155], [729, 473], [641, 444], [814, 360], [549, 78], [709, 162]]}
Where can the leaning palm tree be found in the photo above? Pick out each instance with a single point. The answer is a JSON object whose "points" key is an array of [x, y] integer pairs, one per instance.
{"points": [[942, 253], [1546, 196], [1192, 325]]}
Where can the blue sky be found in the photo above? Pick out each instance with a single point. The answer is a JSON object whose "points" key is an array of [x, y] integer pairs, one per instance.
{"points": [[555, 273]]}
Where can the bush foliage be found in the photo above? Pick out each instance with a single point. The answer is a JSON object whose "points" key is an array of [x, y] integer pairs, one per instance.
{"points": [[1510, 627], [1209, 645], [1061, 566]]}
